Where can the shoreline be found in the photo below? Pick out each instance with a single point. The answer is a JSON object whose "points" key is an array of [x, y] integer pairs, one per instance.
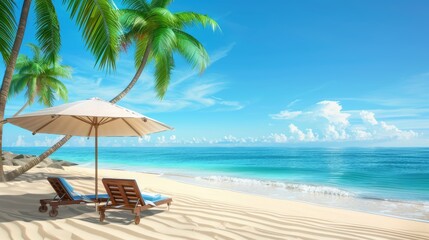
{"points": [[358, 200], [303, 201], [196, 212]]}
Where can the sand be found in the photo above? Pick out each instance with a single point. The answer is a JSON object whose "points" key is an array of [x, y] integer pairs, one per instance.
{"points": [[196, 213]]}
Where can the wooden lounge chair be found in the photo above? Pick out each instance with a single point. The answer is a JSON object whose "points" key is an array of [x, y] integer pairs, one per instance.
{"points": [[65, 195], [124, 194]]}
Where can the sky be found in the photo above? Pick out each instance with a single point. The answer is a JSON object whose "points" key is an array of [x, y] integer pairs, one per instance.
{"points": [[319, 73]]}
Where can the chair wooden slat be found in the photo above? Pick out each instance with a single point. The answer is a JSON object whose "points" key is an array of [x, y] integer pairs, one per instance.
{"points": [[125, 194]]}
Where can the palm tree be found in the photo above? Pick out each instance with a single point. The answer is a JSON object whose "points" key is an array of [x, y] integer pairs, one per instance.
{"points": [[157, 33], [97, 19], [40, 77]]}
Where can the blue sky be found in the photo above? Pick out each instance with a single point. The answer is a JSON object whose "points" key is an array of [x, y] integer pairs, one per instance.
{"points": [[283, 73]]}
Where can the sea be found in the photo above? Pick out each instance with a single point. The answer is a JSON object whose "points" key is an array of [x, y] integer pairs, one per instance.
{"points": [[386, 181]]}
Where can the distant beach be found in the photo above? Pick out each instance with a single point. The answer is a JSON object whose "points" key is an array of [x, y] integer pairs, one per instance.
{"points": [[386, 181]]}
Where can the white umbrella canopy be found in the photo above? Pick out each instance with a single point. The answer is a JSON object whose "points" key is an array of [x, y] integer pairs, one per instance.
{"points": [[90, 118], [82, 117]]}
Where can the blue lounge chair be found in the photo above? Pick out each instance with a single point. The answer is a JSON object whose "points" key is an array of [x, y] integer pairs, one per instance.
{"points": [[65, 195]]}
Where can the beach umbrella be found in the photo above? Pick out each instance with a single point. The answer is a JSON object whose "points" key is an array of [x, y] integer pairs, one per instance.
{"points": [[89, 118]]}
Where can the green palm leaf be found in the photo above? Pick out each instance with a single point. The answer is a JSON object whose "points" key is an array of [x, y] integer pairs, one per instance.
{"points": [[192, 50], [160, 3], [101, 29], [142, 5], [59, 87], [48, 28], [31, 89], [141, 48], [155, 29], [163, 41], [17, 84], [40, 78], [191, 18], [7, 28], [164, 64]]}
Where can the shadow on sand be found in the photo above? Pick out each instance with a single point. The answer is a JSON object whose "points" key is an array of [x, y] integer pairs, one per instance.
{"points": [[25, 208]]}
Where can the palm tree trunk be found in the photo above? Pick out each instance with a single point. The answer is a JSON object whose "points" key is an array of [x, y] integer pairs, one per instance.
{"points": [[10, 68], [15, 173], [22, 108], [136, 76]]}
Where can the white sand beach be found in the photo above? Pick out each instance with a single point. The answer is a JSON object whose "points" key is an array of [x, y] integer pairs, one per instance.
{"points": [[196, 213]]}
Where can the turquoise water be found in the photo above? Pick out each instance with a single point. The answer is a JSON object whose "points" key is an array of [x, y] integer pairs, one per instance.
{"points": [[385, 174]]}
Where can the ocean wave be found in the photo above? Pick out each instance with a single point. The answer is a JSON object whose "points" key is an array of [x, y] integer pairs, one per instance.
{"points": [[305, 188]]}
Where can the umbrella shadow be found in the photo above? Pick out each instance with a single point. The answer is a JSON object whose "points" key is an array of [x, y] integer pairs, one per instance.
{"points": [[26, 208]]}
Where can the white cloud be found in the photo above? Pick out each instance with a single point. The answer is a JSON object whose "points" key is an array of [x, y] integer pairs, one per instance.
{"points": [[338, 127], [279, 137], [294, 130], [144, 139], [228, 105], [331, 110], [161, 140], [20, 142], [332, 133], [382, 129], [394, 132], [172, 137], [47, 141], [310, 136], [81, 141], [187, 90], [285, 114], [368, 117], [298, 135], [360, 134]]}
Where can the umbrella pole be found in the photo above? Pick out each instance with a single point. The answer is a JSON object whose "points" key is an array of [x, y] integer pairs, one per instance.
{"points": [[96, 163]]}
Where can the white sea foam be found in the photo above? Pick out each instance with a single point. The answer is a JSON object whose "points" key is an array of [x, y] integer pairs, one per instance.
{"points": [[305, 188]]}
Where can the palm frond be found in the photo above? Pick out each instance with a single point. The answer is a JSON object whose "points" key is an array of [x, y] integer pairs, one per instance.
{"points": [[193, 51], [18, 83], [47, 97], [59, 71], [132, 20], [48, 29], [163, 41], [191, 18], [101, 29], [58, 87], [37, 53], [140, 5], [141, 48], [31, 92], [161, 17], [40, 78], [160, 3], [22, 61], [164, 64], [7, 28]]}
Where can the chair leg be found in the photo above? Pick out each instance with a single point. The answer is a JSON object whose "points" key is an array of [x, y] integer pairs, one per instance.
{"points": [[101, 211], [43, 208], [54, 211], [137, 211], [168, 206], [43, 202]]}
